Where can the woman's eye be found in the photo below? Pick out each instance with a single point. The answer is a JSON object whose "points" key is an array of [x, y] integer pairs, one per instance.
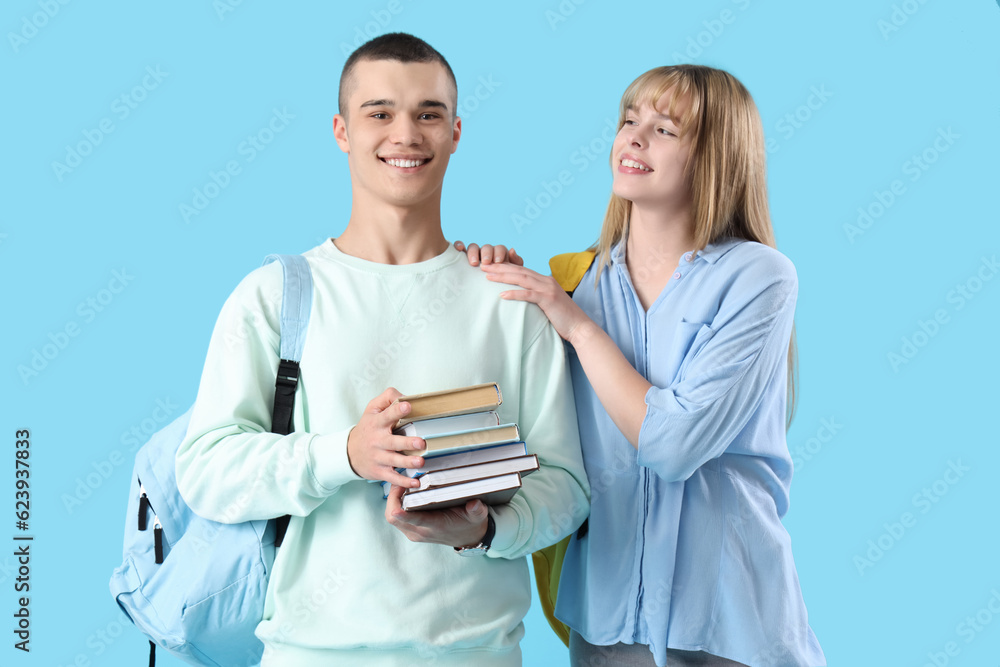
{"points": [[664, 130]]}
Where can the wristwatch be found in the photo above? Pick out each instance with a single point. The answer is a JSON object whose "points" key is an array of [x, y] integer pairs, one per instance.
{"points": [[484, 544]]}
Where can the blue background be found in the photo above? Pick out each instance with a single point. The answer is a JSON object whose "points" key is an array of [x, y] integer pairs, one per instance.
{"points": [[850, 93]]}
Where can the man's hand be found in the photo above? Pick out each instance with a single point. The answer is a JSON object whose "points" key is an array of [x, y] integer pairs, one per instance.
{"points": [[463, 526], [372, 449], [489, 254]]}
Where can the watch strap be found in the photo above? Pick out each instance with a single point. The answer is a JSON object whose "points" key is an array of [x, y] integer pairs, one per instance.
{"points": [[484, 544]]}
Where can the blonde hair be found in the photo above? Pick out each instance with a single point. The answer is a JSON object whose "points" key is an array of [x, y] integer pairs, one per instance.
{"points": [[726, 168]]}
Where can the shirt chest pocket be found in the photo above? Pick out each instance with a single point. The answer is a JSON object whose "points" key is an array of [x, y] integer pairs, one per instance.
{"points": [[688, 341]]}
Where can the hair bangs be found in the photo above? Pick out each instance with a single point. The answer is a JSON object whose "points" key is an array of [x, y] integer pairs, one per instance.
{"points": [[683, 105]]}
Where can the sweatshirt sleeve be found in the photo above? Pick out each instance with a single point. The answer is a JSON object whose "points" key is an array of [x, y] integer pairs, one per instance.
{"points": [[230, 468], [555, 499], [725, 374]]}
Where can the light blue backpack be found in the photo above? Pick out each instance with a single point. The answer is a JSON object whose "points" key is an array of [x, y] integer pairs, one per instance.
{"points": [[196, 587]]}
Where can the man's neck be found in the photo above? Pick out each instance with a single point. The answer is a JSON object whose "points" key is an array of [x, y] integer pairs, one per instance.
{"points": [[393, 236]]}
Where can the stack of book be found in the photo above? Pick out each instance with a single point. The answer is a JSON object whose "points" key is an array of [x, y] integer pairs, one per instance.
{"points": [[469, 453]]}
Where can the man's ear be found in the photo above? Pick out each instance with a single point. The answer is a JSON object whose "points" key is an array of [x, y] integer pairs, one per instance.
{"points": [[340, 133], [456, 134]]}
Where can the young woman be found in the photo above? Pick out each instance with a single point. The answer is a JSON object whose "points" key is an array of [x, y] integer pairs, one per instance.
{"points": [[681, 351]]}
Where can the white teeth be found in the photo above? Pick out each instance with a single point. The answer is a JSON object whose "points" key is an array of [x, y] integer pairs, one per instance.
{"points": [[395, 162], [634, 165]]}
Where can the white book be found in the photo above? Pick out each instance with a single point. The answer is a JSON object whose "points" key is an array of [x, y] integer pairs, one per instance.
{"points": [[469, 457], [521, 464], [492, 491], [442, 425]]}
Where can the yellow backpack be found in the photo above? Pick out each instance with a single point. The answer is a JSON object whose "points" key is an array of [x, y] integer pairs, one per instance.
{"points": [[568, 270]]}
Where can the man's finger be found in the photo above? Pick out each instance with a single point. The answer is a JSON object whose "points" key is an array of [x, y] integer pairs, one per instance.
{"points": [[475, 511], [393, 502], [384, 400], [405, 443], [392, 413]]}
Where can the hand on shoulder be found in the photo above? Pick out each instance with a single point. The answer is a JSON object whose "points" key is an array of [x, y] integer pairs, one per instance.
{"points": [[489, 254]]}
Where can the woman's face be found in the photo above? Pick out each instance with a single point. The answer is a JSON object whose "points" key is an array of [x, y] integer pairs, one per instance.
{"points": [[649, 159]]}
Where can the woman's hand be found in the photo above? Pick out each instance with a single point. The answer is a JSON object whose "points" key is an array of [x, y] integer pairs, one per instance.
{"points": [[620, 388], [489, 254], [568, 318]]}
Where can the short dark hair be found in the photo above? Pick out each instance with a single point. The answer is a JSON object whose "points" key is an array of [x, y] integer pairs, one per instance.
{"points": [[399, 46]]}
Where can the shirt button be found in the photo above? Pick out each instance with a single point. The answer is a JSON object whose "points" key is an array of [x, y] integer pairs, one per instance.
{"points": [[687, 256], [677, 276]]}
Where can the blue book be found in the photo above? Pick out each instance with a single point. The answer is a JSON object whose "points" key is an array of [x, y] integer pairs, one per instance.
{"points": [[449, 443], [470, 457]]}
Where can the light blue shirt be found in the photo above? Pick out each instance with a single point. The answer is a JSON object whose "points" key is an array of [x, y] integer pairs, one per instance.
{"points": [[684, 546]]}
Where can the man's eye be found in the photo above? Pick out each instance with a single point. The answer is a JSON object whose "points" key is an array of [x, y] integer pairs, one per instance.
{"points": [[379, 115], [428, 116]]}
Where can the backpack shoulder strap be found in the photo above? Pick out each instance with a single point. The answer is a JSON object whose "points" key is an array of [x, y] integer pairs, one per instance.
{"points": [[568, 269], [296, 305]]}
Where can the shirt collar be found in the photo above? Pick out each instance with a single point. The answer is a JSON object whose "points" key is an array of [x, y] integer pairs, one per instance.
{"points": [[711, 253]]}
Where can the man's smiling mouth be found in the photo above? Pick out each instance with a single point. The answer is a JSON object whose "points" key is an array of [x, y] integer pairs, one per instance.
{"points": [[405, 162]]}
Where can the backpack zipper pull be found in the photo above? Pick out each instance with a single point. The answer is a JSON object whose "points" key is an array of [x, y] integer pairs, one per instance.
{"points": [[143, 507], [157, 540]]}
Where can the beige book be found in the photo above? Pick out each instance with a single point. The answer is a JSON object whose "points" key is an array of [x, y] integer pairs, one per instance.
{"points": [[450, 402]]}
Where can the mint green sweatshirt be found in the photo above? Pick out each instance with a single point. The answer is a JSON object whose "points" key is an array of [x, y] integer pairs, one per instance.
{"points": [[347, 588]]}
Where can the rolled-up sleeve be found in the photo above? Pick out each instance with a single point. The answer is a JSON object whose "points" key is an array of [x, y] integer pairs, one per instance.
{"points": [[724, 376]]}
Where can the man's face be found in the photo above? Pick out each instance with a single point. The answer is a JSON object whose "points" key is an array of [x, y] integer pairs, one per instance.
{"points": [[399, 131]]}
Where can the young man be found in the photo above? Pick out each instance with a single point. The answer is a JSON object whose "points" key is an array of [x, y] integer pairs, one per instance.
{"points": [[359, 581]]}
